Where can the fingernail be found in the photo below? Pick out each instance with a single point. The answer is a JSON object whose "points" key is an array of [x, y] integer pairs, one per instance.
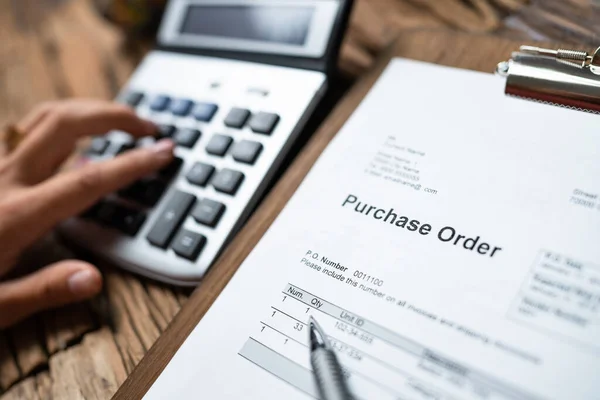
{"points": [[163, 148], [83, 282]]}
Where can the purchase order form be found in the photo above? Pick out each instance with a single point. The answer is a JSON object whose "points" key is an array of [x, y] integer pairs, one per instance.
{"points": [[447, 241]]}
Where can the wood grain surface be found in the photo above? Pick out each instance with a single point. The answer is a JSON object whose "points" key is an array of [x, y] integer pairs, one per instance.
{"points": [[54, 49]]}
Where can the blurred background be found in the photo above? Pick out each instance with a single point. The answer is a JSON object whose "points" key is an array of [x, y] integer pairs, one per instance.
{"points": [[60, 48]]}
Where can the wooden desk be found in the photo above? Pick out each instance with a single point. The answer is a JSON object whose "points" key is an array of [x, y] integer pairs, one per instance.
{"points": [[60, 48]]}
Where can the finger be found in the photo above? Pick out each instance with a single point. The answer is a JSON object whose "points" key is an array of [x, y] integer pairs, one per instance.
{"points": [[29, 122], [54, 138], [72, 192], [56, 285]]}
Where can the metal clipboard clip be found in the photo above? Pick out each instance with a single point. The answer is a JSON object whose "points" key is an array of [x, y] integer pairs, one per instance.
{"points": [[566, 78]]}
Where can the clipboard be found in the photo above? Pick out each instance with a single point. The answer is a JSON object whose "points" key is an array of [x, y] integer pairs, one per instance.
{"points": [[437, 46]]}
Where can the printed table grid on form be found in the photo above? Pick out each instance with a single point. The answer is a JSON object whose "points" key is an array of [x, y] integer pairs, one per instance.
{"points": [[376, 361]]}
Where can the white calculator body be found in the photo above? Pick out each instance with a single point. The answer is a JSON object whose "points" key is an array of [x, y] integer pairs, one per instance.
{"points": [[233, 83]]}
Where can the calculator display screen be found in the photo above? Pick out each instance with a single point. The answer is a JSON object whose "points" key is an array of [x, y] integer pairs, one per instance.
{"points": [[274, 24]]}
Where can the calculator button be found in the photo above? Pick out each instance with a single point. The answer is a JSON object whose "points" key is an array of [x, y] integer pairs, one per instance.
{"points": [[131, 222], [132, 99], [170, 218], [186, 137], [172, 169], [264, 122], [98, 146], [181, 107], [165, 131], [127, 220], [205, 111], [208, 212], [160, 103], [188, 244], [200, 174], [146, 191], [237, 118], [246, 151], [218, 145], [125, 147], [227, 181]]}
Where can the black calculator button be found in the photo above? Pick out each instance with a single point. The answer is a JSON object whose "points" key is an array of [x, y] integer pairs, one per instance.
{"points": [[205, 111], [127, 220], [208, 212], [200, 174], [125, 147], [131, 222], [264, 122], [170, 219], [146, 191], [186, 137], [172, 169], [132, 98], [227, 181], [165, 131], [188, 244], [98, 146], [218, 145], [181, 107], [237, 118], [160, 103], [246, 151]]}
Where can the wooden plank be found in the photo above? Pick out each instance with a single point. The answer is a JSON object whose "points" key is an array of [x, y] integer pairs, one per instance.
{"points": [[44, 385], [9, 370], [26, 389], [66, 326], [129, 332], [421, 45], [163, 304], [90, 370], [30, 353]]}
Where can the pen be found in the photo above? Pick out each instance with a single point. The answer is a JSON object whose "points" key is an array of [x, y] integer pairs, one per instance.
{"points": [[326, 368]]}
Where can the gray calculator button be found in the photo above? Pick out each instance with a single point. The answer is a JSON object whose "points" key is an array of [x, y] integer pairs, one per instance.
{"points": [[186, 137], [228, 181], [200, 174], [218, 145], [246, 151], [264, 122], [188, 244], [208, 212], [237, 118], [170, 218]]}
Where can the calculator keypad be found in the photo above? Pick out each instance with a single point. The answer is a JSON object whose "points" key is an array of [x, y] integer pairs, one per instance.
{"points": [[191, 204]]}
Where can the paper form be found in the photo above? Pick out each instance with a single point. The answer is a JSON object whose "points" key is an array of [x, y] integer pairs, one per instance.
{"points": [[447, 241]]}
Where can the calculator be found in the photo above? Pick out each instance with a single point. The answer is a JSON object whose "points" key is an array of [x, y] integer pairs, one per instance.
{"points": [[232, 83]]}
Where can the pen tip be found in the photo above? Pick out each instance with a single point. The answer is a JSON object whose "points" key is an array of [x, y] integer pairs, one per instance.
{"points": [[317, 336]]}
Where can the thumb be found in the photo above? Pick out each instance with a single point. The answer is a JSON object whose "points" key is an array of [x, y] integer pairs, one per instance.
{"points": [[56, 285]]}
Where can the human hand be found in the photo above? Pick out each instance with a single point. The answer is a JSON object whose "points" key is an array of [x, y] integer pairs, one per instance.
{"points": [[33, 199]]}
